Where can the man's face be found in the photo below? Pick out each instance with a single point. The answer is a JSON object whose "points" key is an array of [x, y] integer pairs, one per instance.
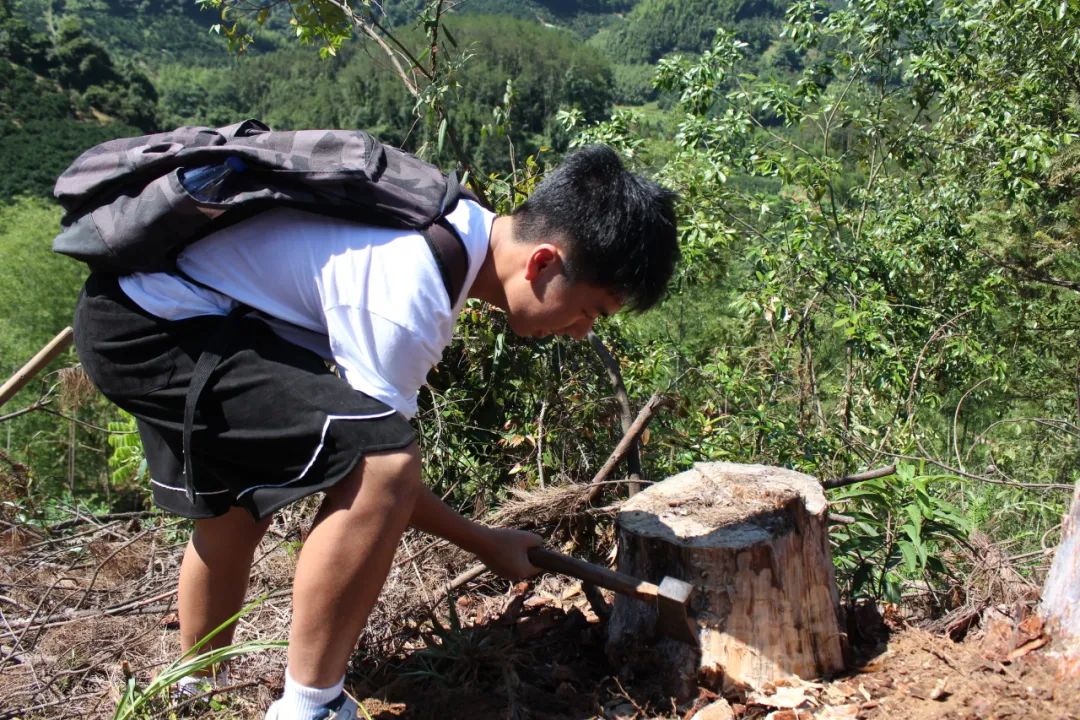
{"points": [[547, 303]]}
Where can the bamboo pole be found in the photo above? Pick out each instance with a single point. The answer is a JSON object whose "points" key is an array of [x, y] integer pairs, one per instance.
{"points": [[44, 356]]}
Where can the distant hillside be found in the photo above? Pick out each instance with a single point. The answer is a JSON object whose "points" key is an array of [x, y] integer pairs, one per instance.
{"points": [[655, 28], [59, 94], [146, 31], [584, 17]]}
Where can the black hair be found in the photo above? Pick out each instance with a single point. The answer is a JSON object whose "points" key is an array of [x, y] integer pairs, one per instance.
{"points": [[618, 230]]}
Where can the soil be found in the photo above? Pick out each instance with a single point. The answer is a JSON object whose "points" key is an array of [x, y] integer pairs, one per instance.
{"points": [[83, 610], [553, 666]]}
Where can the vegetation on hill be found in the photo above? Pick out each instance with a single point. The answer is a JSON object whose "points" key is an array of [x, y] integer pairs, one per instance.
{"points": [[358, 88], [60, 94]]}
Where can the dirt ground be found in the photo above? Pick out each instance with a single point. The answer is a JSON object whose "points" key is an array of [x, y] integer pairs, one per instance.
{"points": [[91, 605], [553, 666]]}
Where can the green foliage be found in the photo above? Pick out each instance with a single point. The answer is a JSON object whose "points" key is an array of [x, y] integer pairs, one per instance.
{"points": [[902, 526], [19, 43], [148, 701], [83, 66], [634, 83], [127, 463], [883, 218], [455, 656], [505, 412]]}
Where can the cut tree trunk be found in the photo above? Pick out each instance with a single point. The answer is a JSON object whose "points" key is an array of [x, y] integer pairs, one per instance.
{"points": [[753, 541], [1061, 592]]}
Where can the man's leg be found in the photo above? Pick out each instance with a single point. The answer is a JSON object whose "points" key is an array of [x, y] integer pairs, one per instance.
{"points": [[345, 560], [214, 575]]}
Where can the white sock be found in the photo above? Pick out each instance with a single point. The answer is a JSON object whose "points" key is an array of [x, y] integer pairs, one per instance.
{"points": [[303, 703]]}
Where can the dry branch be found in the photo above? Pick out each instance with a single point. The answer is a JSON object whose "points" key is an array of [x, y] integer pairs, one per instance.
{"points": [[633, 460], [859, 477], [629, 437]]}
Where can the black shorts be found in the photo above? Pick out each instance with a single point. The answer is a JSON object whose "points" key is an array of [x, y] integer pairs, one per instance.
{"points": [[272, 425]]}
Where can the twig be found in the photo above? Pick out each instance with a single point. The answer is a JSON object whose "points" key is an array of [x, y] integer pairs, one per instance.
{"points": [[23, 712], [956, 421], [859, 477], [103, 563], [91, 531], [464, 578], [37, 405], [636, 428], [633, 458], [540, 442], [970, 476], [596, 601], [41, 603]]}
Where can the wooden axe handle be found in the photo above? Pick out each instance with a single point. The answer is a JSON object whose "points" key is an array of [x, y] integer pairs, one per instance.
{"points": [[594, 574]]}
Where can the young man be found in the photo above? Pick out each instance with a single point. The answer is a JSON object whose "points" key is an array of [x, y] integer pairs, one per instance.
{"points": [[274, 424]]}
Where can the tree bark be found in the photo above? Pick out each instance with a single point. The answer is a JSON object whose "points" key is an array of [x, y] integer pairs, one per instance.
{"points": [[753, 541], [1061, 593]]}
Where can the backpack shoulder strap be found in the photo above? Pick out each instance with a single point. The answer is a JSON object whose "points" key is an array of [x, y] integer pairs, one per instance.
{"points": [[450, 255], [446, 245]]}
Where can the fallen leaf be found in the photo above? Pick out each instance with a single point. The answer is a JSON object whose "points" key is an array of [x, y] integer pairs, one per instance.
{"points": [[939, 692], [532, 626], [789, 715], [570, 591], [839, 692], [1031, 627], [718, 710], [838, 712], [783, 697], [536, 601]]}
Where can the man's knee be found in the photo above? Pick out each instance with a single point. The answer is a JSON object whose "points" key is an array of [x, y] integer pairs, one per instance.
{"points": [[391, 477], [236, 530]]}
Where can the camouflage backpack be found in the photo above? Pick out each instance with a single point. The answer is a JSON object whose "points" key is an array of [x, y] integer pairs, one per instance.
{"points": [[131, 205]]}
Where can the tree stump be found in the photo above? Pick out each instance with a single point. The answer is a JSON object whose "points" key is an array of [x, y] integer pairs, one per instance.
{"points": [[753, 542], [1060, 605]]}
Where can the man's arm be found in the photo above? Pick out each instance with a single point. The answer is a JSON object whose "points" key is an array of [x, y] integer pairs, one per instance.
{"points": [[501, 549]]}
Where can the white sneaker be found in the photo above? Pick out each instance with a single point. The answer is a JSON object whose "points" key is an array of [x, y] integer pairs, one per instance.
{"points": [[189, 686], [343, 708]]}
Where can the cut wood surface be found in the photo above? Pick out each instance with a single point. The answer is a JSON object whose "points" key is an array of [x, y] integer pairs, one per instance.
{"points": [[753, 541]]}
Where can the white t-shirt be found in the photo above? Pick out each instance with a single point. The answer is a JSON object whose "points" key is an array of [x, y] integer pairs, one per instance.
{"points": [[369, 299]]}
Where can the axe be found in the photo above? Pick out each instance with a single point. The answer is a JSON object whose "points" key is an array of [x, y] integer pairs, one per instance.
{"points": [[670, 598]]}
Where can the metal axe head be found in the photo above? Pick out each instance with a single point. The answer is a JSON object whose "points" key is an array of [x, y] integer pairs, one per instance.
{"points": [[673, 617]]}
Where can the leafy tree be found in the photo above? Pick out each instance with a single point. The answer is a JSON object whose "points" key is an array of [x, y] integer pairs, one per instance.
{"points": [[897, 230]]}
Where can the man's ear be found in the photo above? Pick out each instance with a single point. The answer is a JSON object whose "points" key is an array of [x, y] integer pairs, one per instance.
{"points": [[544, 256]]}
